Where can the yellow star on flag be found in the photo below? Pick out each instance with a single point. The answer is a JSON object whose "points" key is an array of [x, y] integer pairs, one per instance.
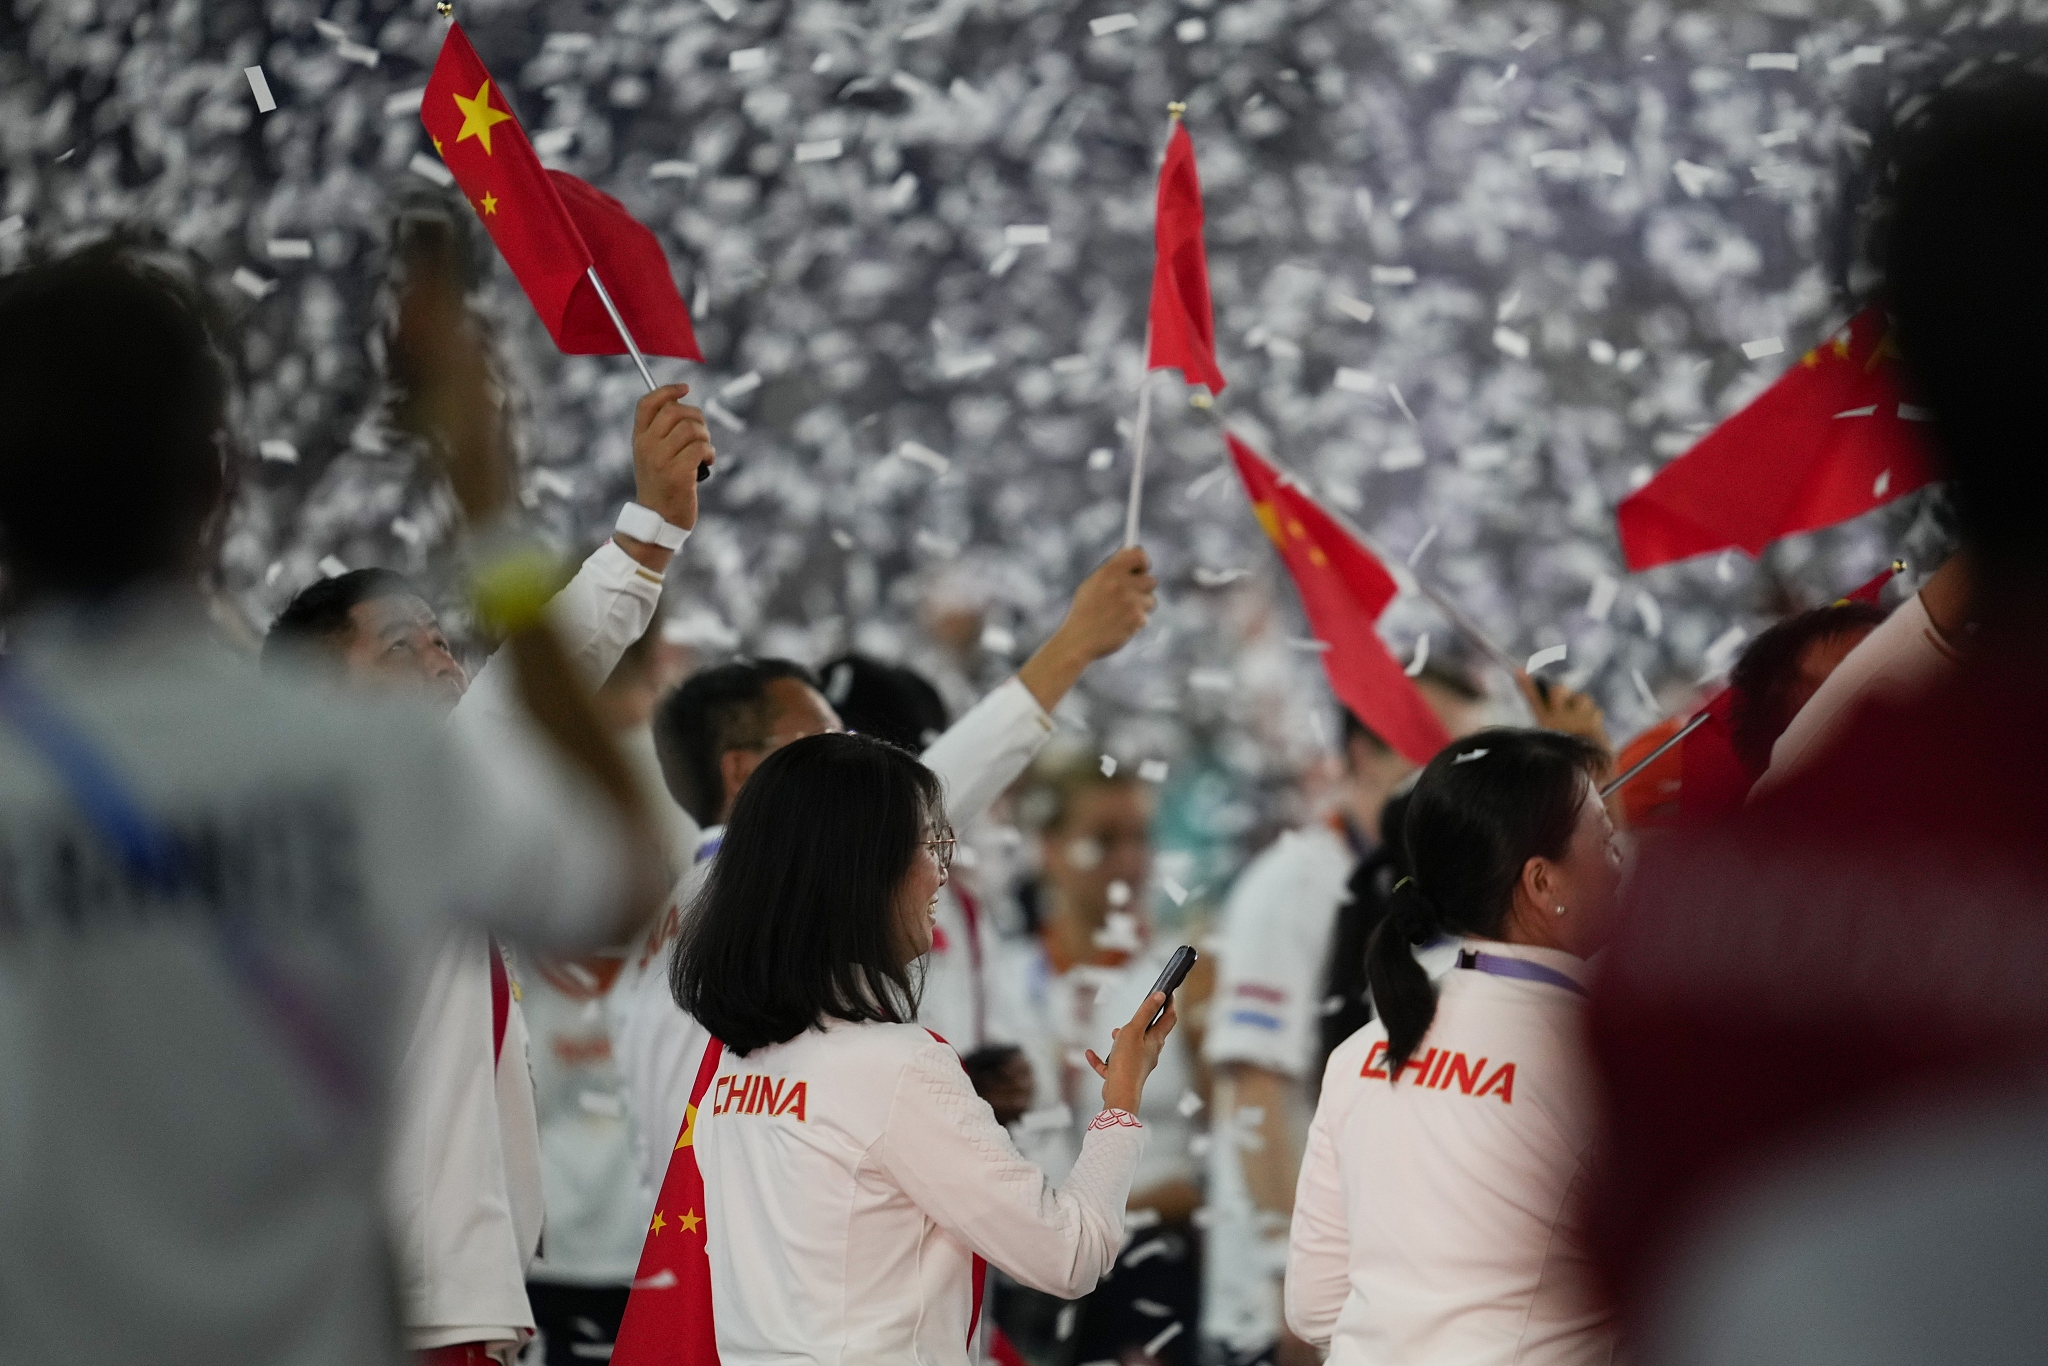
{"points": [[689, 1134], [688, 1223], [489, 203], [478, 118], [437, 148], [659, 1223]]}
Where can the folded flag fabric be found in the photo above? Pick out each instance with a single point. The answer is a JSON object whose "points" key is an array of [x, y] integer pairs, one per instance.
{"points": [[551, 227], [1182, 323], [1832, 439], [1343, 591]]}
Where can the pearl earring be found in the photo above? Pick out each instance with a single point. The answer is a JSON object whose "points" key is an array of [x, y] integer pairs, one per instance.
{"points": [[1560, 910]]}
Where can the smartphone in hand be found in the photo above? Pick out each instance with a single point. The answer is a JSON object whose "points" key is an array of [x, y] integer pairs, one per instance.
{"points": [[1176, 971]]}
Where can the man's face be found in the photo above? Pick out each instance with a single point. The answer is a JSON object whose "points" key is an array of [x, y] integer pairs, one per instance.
{"points": [[1099, 856], [795, 712], [396, 643]]}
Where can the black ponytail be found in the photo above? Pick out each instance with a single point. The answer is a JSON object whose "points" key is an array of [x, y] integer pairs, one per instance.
{"points": [[1480, 811], [1346, 993]]}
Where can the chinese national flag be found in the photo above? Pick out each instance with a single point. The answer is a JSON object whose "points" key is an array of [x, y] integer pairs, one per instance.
{"points": [[1829, 441], [668, 1311], [551, 227], [1343, 589], [1182, 325]]}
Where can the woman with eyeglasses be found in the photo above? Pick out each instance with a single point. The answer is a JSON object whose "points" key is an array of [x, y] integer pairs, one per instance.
{"points": [[852, 1179], [1438, 1215]]}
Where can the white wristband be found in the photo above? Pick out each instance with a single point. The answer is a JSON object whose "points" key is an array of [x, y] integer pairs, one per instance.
{"points": [[645, 524]]}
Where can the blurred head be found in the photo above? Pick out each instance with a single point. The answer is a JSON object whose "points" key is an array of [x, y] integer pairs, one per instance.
{"points": [[1781, 670], [1373, 768], [820, 899], [715, 730], [1096, 840], [887, 701], [374, 627], [1503, 828], [1968, 282], [113, 415]]}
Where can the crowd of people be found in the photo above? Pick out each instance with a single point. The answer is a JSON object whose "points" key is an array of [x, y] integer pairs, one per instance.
{"points": [[352, 1007]]}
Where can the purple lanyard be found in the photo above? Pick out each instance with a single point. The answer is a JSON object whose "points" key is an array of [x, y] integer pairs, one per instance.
{"points": [[1498, 966]]}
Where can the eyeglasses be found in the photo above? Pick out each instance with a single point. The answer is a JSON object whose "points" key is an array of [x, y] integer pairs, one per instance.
{"points": [[942, 851]]}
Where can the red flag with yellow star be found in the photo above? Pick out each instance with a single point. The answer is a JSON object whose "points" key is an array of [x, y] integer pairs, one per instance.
{"points": [[1343, 590], [1831, 440], [552, 228], [668, 1311]]}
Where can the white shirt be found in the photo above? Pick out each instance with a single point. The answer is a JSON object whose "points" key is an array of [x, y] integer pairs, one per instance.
{"points": [[1905, 655], [465, 1184], [1438, 1219], [842, 1227], [955, 1001], [177, 1183], [658, 1046], [1273, 958]]}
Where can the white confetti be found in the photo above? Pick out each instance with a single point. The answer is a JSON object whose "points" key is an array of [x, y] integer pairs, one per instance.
{"points": [[406, 103], [1601, 601], [1112, 23], [1172, 1331], [920, 454], [1175, 892], [1867, 410], [288, 249], [250, 283], [330, 567], [843, 538], [1469, 755], [998, 640], [1866, 55], [724, 416], [740, 387], [1779, 138], [1764, 346], [1694, 178], [1722, 652], [1191, 30], [1152, 770], [1882, 485], [1773, 61], [1355, 381], [1026, 235], [1544, 658], [1157, 1247], [724, 9], [1404, 458], [261, 87], [1312, 646], [1219, 578], [825, 149], [1650, 614], [1108, 766], [1356, 309], [1420, 661], [428, 168], [747, 59], [1511, 342], [1643, 690], [672, 170], [1422, 544], [278, 449], [1393, 275], [350, 51]]}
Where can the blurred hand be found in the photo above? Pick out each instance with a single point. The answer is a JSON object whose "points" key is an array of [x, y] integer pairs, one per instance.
{"points": [[1111, 605], [1133, 1055], [670, 440], [1574, 713]]}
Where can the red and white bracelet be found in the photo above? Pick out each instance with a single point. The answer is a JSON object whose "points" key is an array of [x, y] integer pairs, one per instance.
{"points": [[1115, 1119]]}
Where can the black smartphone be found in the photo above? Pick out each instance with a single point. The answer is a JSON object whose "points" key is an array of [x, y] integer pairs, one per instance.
{"points": [[1176, 971]]}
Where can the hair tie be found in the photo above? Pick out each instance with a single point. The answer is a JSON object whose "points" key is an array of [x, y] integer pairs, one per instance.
{"points": [[1411, 912]]}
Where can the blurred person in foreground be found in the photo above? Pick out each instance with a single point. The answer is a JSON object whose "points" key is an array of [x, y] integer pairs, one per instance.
{"points": [[212, 883], [725, 721], [1089, 960], [851, 1176], [1822, 1026], [467, 1188], [1291, 918], [1439, 1216]]}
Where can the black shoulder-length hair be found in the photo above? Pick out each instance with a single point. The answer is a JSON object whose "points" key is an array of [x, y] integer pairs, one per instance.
{"points": [[797, 921], [1479, 812]]}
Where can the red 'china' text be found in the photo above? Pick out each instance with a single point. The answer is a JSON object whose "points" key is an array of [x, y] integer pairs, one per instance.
{"points": [[758, 1095], [1440, 1069]]}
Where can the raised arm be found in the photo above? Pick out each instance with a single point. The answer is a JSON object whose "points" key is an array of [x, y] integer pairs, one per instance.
{"points": [[988, 748]]}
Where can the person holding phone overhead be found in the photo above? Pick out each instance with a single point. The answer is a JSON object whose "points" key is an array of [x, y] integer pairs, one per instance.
{"points": [[851, 1177], [1439, 1214]]}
